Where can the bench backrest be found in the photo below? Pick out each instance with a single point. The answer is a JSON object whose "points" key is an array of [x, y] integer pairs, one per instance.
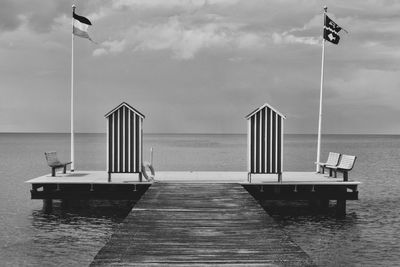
{"points": [[51, 158], [346, 162], [333, 159]]}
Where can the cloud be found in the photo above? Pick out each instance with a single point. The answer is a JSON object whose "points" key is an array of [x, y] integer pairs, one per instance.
{"points": [[188, 4], [240, 52], [291, 36], [8, 16], [157, 3], [115, 46], [368, 87], [40, 16], [99, 52], [285, 38], [250, 40], [99, 14], [314, 23], [110, 47], [184, 38]]}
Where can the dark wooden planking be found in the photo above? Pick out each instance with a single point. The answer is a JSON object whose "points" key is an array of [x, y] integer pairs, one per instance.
{"points": [[303, 192], [205, 224]]}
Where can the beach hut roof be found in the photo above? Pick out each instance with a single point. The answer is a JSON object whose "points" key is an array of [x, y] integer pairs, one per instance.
{"points": [[263, 106], [128, 106]]}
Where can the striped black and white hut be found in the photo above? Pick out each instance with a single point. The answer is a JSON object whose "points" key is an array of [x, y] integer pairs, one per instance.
{"points": [[124, 140], [265, 141]]}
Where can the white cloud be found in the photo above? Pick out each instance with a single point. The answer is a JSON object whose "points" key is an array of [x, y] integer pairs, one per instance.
{"points": [[99, 52], [184, 38], [101, 13], [285, 38], [236, 59], [250, 40], [291, 36], [315, 22], [115, 46], [110, 47], [170, 3], [157, 3]]}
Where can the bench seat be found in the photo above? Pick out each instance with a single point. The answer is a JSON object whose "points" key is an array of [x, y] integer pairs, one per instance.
{"points": [[345, 165]]}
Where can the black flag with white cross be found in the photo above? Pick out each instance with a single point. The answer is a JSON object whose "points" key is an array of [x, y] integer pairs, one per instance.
{"points": [[331, 31]]}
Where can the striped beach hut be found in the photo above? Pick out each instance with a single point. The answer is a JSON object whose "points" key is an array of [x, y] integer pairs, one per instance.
{"points": [[124, 140], [265, 141]]}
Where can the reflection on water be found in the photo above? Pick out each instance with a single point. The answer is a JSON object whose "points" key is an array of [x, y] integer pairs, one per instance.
{"points": [[362, 238], [73, 230], [324, 236]]}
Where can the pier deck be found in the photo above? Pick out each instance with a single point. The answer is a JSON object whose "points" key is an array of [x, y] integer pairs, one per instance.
{"points": [[101, 177], [95, 185], [199, 223]]}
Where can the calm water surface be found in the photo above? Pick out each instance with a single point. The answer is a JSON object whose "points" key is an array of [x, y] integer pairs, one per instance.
{"points": [[368, 236]]}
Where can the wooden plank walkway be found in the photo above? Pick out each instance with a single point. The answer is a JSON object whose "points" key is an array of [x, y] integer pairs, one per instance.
{"points": [[200, 224]]}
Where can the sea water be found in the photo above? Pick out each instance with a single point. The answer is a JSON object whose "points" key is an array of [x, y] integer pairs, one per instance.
{"points": [[368, 236]]}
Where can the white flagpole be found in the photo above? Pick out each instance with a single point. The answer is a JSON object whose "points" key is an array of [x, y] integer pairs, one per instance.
{"points": [[320, 95], [72, 96]]}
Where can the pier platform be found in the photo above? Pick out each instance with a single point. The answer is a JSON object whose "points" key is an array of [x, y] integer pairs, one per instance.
{"points": [[101, 177], [95, 185], [84, 185], [181, 224]]}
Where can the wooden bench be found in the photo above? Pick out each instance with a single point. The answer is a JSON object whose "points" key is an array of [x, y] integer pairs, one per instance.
{"points": [[345, 165], [333, 160], [54, 163]]}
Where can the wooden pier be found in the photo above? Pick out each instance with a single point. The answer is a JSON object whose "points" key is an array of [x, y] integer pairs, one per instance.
{"points": [[86, 185], [198, 218], [200, 224]]}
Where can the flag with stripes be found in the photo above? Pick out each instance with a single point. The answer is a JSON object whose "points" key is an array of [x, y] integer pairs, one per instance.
{"points": [[80, 26], [331, 31]]}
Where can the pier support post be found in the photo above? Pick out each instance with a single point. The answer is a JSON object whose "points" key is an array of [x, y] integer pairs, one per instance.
{"points": [[341, 203], [324, 204], [341, 207], [47, 205], [64, 204], [277, 190], [313, 204]]}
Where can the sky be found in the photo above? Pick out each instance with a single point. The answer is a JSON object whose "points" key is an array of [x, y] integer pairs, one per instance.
{"points": [[200, 66]]}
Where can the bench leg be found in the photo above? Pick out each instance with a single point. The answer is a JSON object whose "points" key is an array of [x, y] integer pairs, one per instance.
{"points": [[345, 176], [65, 169], [53, 172]]}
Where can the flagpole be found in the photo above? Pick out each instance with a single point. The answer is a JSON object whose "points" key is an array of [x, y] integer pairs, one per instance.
{"points": [[72, 95], [320, 95]]}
